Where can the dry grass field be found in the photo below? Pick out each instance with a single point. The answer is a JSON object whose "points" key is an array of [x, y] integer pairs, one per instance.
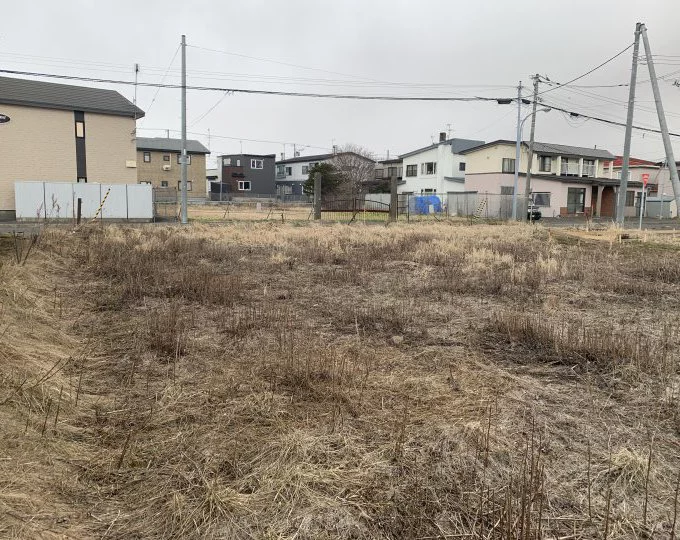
{"points": [[306, 381]]}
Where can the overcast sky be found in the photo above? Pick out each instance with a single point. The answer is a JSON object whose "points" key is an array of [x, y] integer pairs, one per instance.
{"points": [[368, 47]]}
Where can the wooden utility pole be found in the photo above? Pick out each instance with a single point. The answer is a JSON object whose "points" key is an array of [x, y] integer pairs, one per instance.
{"points": [[527, 183], [317, 196], [394, 199], [623, 187]]}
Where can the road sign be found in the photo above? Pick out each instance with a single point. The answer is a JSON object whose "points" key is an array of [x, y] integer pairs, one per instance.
{"points": [[4, 118], [645, 179]]}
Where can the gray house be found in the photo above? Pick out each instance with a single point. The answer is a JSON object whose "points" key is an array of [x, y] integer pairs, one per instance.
{"points": [[244, 175]]}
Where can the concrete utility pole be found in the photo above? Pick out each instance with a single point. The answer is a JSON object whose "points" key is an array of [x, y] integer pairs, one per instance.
{"points": [[317, 196], [527, 183], [394, 198], [183, 157], [519, 141], [623, 186], [670, 158]]}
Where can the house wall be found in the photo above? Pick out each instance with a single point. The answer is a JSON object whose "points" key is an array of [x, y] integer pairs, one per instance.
{"points": [[109, 146], [261, 180], [448, 165], [153, 171], [39, 144]]}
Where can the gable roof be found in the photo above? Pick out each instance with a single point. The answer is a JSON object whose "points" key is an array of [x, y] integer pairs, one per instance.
{"points": [[163, 144], [551, 149], [458, 146], [318, 157], [49, 95], [634, 162]]}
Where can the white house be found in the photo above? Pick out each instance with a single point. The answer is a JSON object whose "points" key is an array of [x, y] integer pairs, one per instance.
{"points": [[438, 168]]}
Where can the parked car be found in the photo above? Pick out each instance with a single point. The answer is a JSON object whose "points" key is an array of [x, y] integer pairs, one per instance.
{"points": [[533, 213]]}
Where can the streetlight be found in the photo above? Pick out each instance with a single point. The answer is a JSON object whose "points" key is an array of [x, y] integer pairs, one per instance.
{"points": [[520, 128]]}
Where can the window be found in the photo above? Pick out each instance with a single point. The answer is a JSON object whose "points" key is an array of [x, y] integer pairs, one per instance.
{"points": [[411, 170], [589, 167], [507, 190], [289, 171], [164, 183], [305, 169], [280, 171], [147, 182], [179, 185], [80, 130], [188, 159], [392, 171], [428, 168], [428, 190], [238, 162], [166, 158], [461, 166], [313, 164], [82, 180], [147, 157], [226, 161], [544, 163], [508, 165], [576, 200], [244, 185], [630, 198], [541, 199], [256, 164]]}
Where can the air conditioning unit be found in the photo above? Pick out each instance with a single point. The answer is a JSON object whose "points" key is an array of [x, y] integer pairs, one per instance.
{"points": [[166, 167]]}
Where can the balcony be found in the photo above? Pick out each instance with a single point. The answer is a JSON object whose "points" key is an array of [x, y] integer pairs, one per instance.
{"points": [[589, 170], [569, 169]]}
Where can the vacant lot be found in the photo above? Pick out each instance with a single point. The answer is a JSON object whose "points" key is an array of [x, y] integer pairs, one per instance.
{"points": [[268, 380]]}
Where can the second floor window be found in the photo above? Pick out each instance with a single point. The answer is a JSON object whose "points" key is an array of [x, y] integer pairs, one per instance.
{"points": [[544, 163], [226, 161], [289, 171], [147, 157], [411, 170], [589, 167], [188, 159], [508, 165], [280, 170], [461, 166], [305, 169], [428, 168], [256, 163], [179, 185]]}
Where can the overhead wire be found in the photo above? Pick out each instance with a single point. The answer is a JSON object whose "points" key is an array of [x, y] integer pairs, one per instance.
{"points": [[162, 79]]}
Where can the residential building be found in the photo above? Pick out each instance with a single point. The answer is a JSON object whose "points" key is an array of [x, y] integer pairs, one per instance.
{"points": [[158, 164], [292, 173], [438, 168], [565, 180], [244, 175], [64, 133], [389, 168]]}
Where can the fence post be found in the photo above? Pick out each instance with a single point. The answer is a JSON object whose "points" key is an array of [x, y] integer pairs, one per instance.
{"points": [[80, 211], [317, 196], [394, 199]]}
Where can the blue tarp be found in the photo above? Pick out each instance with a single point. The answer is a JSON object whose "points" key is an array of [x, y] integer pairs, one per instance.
{"points": [[421, 204]]}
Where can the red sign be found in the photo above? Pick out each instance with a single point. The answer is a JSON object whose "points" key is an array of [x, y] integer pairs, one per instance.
{"points": [[645, 179]]}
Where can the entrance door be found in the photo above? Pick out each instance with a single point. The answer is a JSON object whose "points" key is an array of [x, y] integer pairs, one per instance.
{"points": [[576, 200]]}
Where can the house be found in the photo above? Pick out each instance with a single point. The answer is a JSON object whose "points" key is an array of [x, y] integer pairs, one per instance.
{"points": [[244, 175], [292, 173], [387, 169], [158, 164], [64, 133], [438, 168], [565, 180]]}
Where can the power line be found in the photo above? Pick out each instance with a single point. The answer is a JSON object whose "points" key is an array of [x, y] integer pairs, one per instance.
{"points": [[253, 91], [211, 109], [588, 72], [162, 79]]}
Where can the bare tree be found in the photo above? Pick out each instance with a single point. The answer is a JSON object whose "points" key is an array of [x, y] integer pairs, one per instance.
{"points": [[356, 168]]}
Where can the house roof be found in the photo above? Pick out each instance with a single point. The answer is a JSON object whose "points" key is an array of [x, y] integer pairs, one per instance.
{"points": [[634, 162], [49, 95], [318, 157], [458, 146], [163, 144], [249, 155], [552, 149]]}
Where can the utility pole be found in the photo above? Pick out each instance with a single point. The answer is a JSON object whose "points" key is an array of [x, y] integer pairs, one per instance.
{"points": [[183, 157], [519, 136], [317, 196], [134, 100], [670, 158], [527, 183], [623, 186]]}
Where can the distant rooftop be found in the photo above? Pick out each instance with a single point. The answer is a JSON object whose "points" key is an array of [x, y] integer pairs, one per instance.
{"points": [[458, 146], [163, 144], [49, 95], [552, 149]]}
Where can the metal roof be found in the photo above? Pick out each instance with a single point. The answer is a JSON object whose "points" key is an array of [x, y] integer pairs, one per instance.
{"points": [[163, 144], [318, 157], [458, 146], [49, 95], [552, 149]]}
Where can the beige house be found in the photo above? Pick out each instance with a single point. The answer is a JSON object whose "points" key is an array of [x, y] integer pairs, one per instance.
{"points": [[64, 133], [158, 164], [565, 180]]}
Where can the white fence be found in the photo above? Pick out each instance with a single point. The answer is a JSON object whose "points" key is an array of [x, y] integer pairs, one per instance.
{"points": [[59, 200]]}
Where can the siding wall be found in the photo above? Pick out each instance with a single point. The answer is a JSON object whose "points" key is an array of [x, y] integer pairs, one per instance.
{"points": [[153, 171], [109, 144]]}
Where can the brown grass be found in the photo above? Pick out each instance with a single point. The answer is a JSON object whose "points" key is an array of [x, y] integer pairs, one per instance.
{"points": [[272, 380]]}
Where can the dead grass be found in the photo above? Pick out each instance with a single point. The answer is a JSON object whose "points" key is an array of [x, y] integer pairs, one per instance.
{"points": [[269, 380]]}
